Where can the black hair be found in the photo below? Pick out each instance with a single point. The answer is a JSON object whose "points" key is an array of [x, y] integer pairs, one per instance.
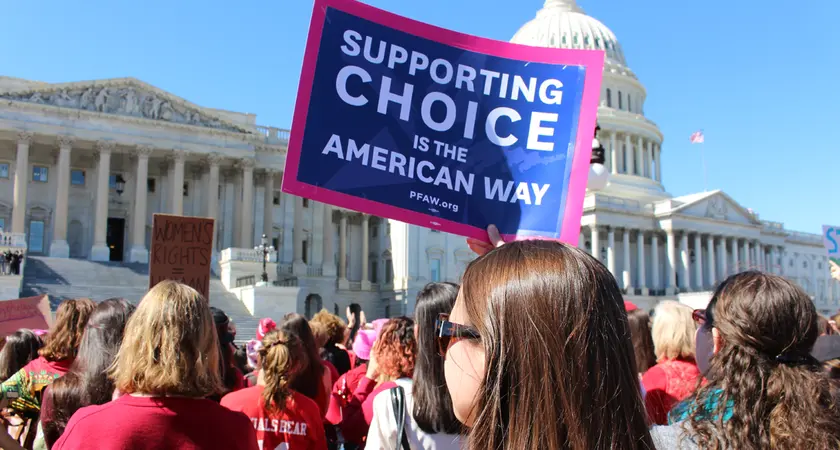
{"points": [[356, 311], [21, 347], [432, 403]]}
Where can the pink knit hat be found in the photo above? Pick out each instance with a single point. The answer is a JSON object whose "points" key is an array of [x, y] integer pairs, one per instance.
{"points": [[266, 326], [363, 343]]}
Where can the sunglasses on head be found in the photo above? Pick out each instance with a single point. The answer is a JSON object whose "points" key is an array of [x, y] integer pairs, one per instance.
{"points": [[699, 316], [448, 333]]}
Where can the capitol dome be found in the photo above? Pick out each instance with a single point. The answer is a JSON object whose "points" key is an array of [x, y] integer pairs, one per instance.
{"points": [[632, 141]]}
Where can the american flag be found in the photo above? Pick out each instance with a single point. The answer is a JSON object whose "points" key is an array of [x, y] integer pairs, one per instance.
{"points": [[697, 137]]}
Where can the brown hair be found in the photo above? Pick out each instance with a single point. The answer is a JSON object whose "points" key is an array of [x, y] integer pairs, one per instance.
{"points": [[319, 333], [62, 342], [642, 339], [560, 371], [281, 356], [335, 326], [778, 396], [396, 348], [311, 370], [170, 345]]}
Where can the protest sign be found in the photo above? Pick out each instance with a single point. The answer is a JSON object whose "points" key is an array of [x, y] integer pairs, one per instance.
{"points": [[436, 128], [30, 312], [182, 250], [831, 241]]}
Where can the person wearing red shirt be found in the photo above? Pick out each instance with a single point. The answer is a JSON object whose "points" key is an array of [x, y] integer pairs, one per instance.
{"points": [[167, 364], [278, 414]]}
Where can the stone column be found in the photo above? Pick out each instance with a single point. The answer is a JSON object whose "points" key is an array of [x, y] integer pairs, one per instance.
{"points": [[342, 252], [21, 182], [710, 243], [177, 199], [654, 261], [746, 251], [698, 265], [596, 242], [268, 206], [365, 251], [139, 253], [59, 247], [625, 273], [298, 265], [640, 157], [329, 243], [736, 262], [686, 262], [773, 259], [762, 258], [100, 250], [613, 154], [628, 154], [611, 252], [658, 163], [672, 263], [213, 161], [246, 232], [648, 159], [724, 272], [640, 248], [782, 260]]}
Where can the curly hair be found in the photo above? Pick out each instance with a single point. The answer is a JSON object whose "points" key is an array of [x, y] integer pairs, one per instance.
{"points": [[763, 373], [63, 340], [335, 326], [396, 348]]}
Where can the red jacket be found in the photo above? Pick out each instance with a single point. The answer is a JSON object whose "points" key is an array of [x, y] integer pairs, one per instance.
{"points": [[667, 384]]}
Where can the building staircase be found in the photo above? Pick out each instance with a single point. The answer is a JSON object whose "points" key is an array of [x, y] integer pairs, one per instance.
{"points": [[62, 278]]}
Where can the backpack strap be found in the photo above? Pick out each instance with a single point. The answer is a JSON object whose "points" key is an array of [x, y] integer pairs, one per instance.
{"points": [[398, 404]]}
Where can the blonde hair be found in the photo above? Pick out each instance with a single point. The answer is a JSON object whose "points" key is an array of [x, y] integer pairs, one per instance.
{"points": [[281, 355], [170, 345], [319, 333], [673, 331]]}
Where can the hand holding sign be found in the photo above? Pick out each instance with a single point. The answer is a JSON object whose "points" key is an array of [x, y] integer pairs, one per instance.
{"points": [[482, 247]]}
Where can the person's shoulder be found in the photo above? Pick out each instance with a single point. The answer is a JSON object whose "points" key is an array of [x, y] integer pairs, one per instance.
{"points": [[654, 375], [87, 417], [237, 397]]}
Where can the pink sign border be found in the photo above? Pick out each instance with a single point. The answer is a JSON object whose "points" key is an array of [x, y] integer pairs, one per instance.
{"points": [[593, 61]]}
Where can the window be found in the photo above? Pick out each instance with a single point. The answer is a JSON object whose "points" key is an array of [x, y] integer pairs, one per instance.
{"points": [[39, 173], [435, 269], [186, 189], [306, 252], [388, 229], [435, 231], [112, 181], [151, 185], [609, 98], [387, 311], [306, 203], [819, 266], [804, 264], [4, 170], [2, 223], [389, 272], [276, 199], [36, 236], [275, 242], [374, 231], [620, 104], [77, 177], [791, 263], [374, 271]]}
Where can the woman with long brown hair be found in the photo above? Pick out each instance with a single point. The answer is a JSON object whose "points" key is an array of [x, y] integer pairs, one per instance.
{"points": [[538, 352], [315, 379], [764, 390], [167, 364], [273, 401]]}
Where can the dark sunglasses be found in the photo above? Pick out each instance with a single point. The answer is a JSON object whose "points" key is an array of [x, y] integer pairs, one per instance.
{"points": [[699, 316], [448, 333]]}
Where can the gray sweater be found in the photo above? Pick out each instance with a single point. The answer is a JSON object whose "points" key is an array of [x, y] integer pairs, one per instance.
{"points": [[673, 437]]}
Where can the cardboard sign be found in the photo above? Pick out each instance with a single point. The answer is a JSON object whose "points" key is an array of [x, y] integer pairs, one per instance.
{"points": [[30, 312], [831, 241], [182, 249], [428, 126]]}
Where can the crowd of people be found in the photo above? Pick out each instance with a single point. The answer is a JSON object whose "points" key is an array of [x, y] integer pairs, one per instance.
{"points": [[11, 262], [535, 349]]}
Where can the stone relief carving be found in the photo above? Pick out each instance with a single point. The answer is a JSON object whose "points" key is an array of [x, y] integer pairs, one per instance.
{"points": [[717, 208], [127, 101]]}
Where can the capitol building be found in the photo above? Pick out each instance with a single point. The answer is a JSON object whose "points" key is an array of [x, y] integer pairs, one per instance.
{"points": [[84, 166]]}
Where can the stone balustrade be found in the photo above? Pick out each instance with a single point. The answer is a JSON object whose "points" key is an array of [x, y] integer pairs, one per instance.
{"points": [[273, 135]]}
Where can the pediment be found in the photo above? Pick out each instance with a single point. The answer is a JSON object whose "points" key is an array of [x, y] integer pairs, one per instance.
{"points": [[124, 97], [717, 206]]}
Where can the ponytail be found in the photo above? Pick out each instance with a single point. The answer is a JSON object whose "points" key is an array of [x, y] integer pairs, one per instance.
{"points": [[278, 356]]}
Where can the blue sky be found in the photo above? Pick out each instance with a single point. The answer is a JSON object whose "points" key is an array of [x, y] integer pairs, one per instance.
{"points": [[757, 76]]}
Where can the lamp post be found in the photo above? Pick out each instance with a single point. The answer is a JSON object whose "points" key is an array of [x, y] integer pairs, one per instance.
{"points": [[264, 249], [598, 173], [119, 184]]}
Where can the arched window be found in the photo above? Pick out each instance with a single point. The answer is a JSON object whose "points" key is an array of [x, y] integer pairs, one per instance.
{"points": [[609, 98], [620, 106]]}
